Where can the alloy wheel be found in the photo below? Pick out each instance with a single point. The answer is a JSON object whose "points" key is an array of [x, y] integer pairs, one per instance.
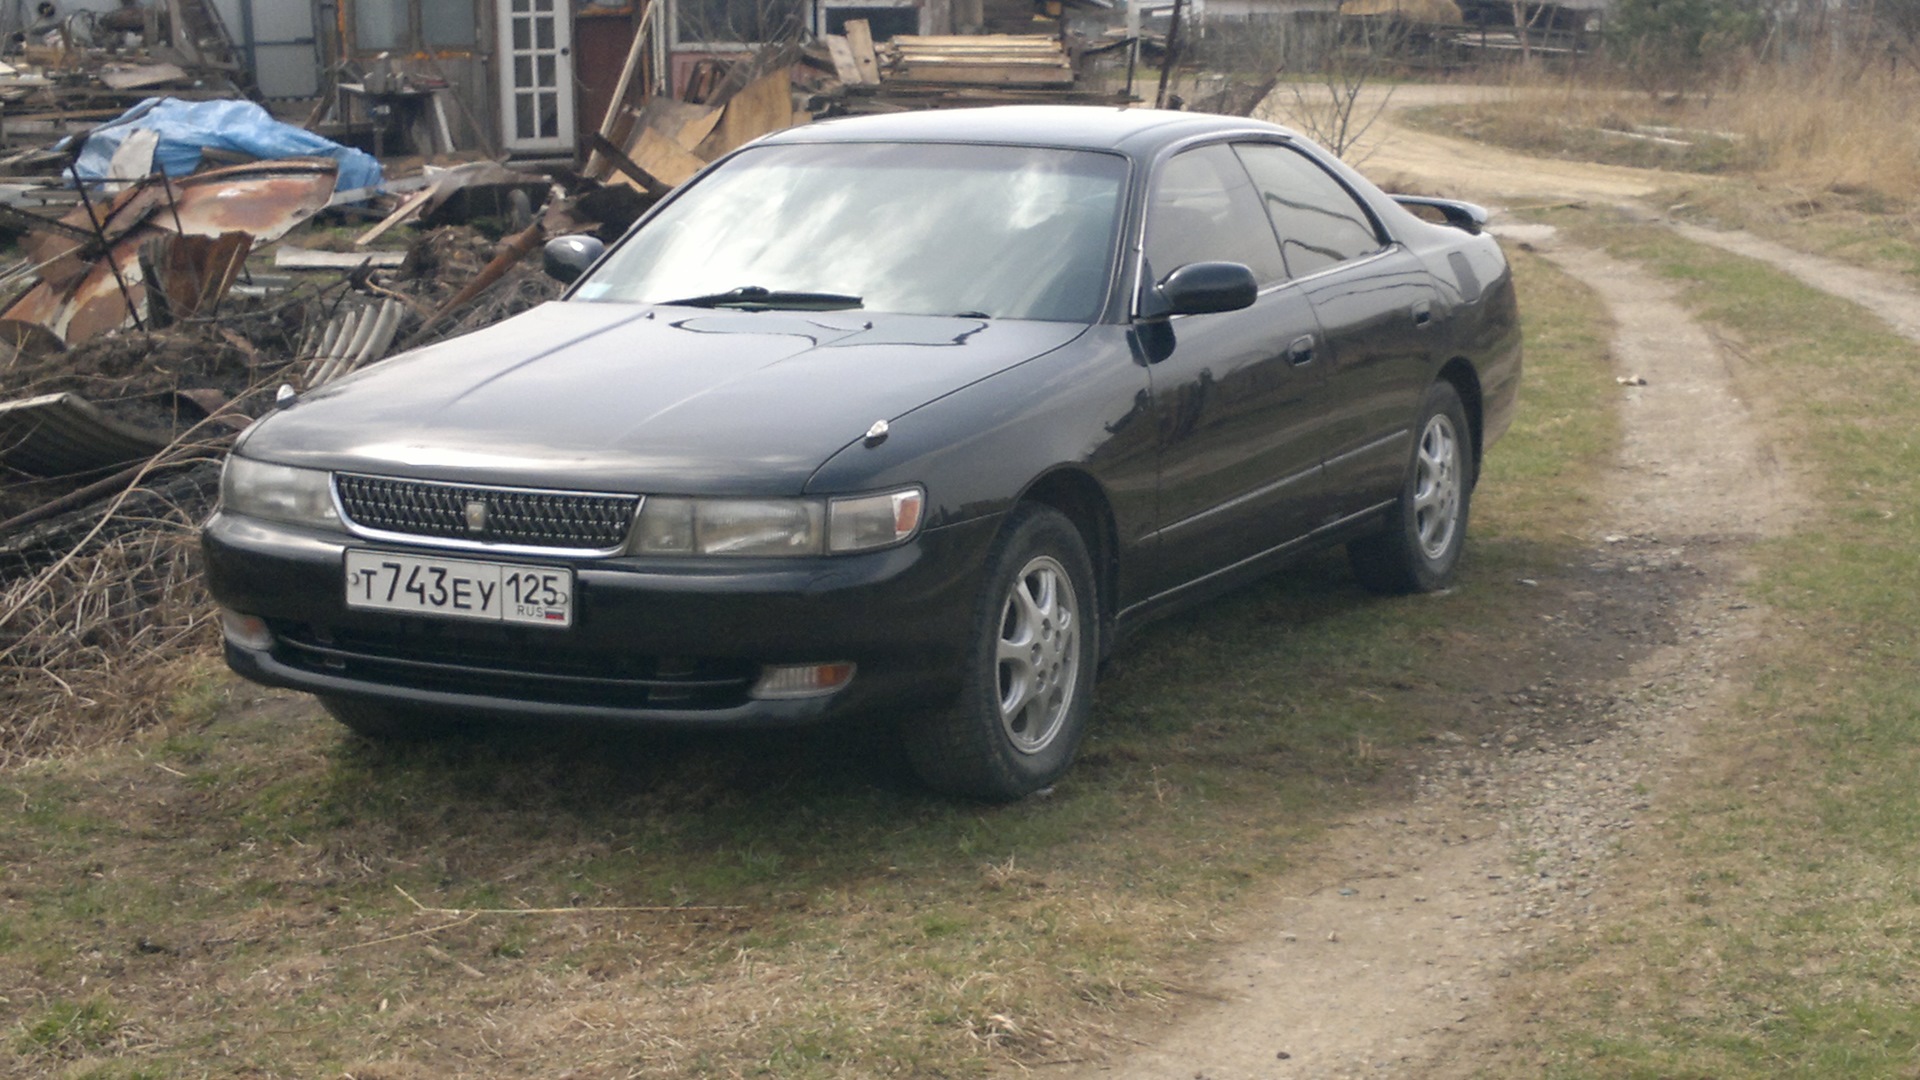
{"points": [[1038, 655]]}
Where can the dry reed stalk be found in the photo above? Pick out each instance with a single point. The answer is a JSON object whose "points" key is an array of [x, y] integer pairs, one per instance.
{"points": [[94, 649], [92, 645], [1817, 124]]}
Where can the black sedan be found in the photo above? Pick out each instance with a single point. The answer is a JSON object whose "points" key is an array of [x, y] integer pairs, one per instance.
{"points": [[911, 417]]}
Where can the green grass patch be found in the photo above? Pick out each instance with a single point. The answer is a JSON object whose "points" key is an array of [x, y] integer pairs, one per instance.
{"points": [[71, 1028]]}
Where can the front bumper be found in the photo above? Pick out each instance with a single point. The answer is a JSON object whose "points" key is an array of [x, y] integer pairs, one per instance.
{"points": [[658, 641]]}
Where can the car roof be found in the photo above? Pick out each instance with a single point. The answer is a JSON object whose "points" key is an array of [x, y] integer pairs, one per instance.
{"points": [[1081, 127]]}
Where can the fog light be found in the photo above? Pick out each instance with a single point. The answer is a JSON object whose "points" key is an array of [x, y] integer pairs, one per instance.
{"points": [[801, 680], [246, 631]]}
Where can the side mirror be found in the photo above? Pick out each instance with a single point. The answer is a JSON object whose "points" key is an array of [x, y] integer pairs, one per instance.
{"points": [[1203, 288], [567, 257]]}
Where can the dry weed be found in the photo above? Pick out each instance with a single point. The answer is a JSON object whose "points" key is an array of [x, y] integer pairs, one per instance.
{"points": [[1815, 125], [94, 646], [1831, 128]]}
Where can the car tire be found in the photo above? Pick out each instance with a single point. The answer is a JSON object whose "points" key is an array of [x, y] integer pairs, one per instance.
{"points": [[1420, 546], [380, 721], [1029, 675]]}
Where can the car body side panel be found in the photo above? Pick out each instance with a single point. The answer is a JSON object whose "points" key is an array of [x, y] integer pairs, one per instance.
{"points": [[1378, 357], [1240, 427]]}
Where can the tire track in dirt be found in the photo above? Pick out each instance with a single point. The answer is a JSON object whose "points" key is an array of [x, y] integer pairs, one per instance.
{"points": [[1897, 304]]}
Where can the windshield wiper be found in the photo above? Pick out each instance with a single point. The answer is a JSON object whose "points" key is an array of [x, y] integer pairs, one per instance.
{"points": [[755, 298]]}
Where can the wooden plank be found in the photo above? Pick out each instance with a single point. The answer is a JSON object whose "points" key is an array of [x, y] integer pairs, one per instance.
{"points": [[407, 210], [763, 105], [843, 65], [625, 171], [916, 49], [986, 75], [144, 75], [1013, 45], [683, 122], [860, 40], [664, 159], [978, 61], [984, 40], [287, 257]]}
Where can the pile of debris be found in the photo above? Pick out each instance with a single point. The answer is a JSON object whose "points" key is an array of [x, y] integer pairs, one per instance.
{"points": [[147, 321], [70, 72]]}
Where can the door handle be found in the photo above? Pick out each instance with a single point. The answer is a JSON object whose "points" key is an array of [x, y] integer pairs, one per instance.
{"points": [[1423, 313], [1300, 351]]}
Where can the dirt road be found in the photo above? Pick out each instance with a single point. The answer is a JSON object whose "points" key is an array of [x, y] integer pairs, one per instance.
{"points": [[1386, 955]]}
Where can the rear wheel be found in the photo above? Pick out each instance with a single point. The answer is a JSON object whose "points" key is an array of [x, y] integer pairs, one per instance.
{"points": [[1029, 677], [1420, 547], [384, 722]]}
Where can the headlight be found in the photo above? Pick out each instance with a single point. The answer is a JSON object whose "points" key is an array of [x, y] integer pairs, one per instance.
{"points": [[763, 527], [278, 493]]}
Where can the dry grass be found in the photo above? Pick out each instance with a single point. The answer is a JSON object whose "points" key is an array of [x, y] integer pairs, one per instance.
{"points": [[1815, 126], [97, 644], [1830, 128]]}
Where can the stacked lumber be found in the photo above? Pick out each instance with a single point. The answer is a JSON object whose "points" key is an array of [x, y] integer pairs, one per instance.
{"points": [[949, 71], [983, 60]]}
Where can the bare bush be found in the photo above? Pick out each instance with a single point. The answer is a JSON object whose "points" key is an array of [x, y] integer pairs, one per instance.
{"points": [[1330, 73]]}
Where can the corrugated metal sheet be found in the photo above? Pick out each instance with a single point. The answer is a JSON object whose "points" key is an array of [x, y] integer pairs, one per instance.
{"points": [[62, 434]]}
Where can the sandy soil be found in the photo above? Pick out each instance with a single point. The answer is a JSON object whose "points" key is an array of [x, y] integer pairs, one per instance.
{"points": [[1386, 953]]}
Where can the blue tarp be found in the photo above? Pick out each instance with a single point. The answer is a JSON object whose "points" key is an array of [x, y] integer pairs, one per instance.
{"points": [[187, 127]]}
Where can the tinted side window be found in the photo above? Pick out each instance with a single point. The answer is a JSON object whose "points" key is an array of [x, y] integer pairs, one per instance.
{"points": [[1205, 210], [1319, 222]]}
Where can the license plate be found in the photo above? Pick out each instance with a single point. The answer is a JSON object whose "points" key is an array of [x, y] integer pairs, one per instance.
{"points": [[460, 588]]}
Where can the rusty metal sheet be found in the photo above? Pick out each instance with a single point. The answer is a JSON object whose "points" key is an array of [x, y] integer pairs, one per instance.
{"points": [[265, 199], [94, 305], [65, 434], [189, 274]]}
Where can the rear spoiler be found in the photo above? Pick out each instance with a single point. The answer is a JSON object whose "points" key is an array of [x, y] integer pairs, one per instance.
{"points": [[1461, 215]]}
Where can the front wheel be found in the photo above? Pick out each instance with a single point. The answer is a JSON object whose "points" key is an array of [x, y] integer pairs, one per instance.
{"points": [[1420, 546], [1029, 678]]}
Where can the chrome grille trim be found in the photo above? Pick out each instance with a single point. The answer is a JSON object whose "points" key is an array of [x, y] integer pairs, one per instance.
{"points": [[530, 520]]}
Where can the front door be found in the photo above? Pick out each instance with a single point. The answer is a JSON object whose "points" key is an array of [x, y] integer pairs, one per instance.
{"points": [[536, 74], [1237, 396]]}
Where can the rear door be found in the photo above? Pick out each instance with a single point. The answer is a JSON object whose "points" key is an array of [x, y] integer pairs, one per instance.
{"points": [[1236, 396], [1375, 305]]}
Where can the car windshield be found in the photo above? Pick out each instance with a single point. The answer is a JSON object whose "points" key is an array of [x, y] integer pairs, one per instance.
{"points": [[927, 229]]}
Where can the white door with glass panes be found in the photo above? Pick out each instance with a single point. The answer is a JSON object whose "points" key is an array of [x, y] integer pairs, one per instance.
{"points": [[536, 77]]}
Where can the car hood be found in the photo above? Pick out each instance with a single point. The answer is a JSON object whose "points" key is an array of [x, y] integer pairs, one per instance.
{"points": [[619, 397]]}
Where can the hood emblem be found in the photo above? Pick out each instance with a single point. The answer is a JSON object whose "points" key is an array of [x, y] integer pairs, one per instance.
{"points": [[476, 516], [877, 434]]}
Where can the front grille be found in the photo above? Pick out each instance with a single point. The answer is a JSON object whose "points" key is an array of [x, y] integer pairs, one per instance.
{"points": [[509, 663], [548, 519]]}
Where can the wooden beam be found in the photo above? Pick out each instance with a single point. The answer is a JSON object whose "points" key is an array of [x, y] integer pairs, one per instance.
{"points": [[860, 40], [843, 63]]}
